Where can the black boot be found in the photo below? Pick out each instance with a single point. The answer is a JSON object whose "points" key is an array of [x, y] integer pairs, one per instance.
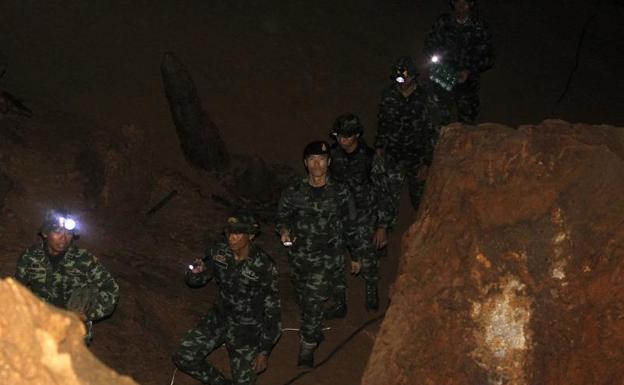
{"points": [[338, 310], [372, 296], [306, 354]]}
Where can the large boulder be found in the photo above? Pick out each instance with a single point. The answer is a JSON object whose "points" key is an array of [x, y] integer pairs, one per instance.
{"points": [[513, 272], [42, 345]]}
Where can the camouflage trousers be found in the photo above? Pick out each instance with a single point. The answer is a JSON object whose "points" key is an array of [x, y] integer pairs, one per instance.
{"points": [[463, 99], [398, 170], [211, 332], [312, 275], [82, 300], [363, 251]]}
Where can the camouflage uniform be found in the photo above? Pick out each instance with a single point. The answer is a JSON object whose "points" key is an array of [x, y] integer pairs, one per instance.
{"points": [[465, 46], [73, 281], [318, 219], [408, 138], [373, 210], [246, 315]]}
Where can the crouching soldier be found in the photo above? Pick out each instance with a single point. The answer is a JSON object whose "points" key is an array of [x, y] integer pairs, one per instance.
{"points": [[246, 315], [65, 276]]}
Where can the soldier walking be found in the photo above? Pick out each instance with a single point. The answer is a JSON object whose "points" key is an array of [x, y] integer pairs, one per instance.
{"points": [[313, 217]]}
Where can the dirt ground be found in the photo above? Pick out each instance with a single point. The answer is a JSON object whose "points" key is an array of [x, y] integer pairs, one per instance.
{"points": [[273, 77]]}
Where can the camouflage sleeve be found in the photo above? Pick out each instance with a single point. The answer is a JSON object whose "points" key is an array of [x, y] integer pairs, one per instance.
{"points": [[285, 209], [272, 323], [21, 269], [107, 293], [382, 193], [386, 120], [348, 215], [200, 279], [484, 51]]}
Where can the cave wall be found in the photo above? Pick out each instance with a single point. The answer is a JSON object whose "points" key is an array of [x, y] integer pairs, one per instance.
{"points": [[512, 273]]}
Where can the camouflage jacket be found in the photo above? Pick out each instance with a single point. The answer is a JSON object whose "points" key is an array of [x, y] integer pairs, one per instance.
{"points": [[55, 284], [404, 127], [318, 218], [248, 290], [462, 46], [354, 170]]}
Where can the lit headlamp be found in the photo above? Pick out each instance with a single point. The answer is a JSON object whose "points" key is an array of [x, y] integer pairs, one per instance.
{"points": [[66, 223], [401, 76]]}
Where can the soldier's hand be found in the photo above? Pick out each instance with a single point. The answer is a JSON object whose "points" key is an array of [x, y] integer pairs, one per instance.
{"points": [[379, 151], [462, 76], [421, 173], [380, 239], [198, 266], [81, 315], [260, 363], [285, 238], [355, 267]]}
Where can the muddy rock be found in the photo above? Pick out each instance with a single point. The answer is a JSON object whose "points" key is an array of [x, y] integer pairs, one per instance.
{"points": [[40, 344], [512, 273]]}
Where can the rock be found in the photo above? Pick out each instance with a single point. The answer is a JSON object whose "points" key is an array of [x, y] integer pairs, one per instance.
{"points": [[40, 344], [513, 272]]}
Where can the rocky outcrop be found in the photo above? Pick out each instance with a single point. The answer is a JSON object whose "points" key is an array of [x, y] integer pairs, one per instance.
{"points": [[41, 345], [512, 273]]}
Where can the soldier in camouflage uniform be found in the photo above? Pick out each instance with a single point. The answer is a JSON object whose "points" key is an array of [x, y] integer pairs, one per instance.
{"points": [[351, 163], [65, 276], [463, 42], [313, 217], [246, 315], [406, 136]]}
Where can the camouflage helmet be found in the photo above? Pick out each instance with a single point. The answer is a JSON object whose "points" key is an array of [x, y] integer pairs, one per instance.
{"points": [[347, 125], [473, 3], [318, 147], [242, 221], [404, 66], [59, 219]]}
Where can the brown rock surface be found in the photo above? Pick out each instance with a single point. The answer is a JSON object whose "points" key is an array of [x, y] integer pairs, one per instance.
{"points": [[512, 273], [41, 345]]}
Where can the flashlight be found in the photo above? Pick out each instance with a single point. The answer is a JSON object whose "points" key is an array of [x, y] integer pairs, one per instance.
{"points": [[435, 58], [441, 73], [400, 79], [287, 243]]}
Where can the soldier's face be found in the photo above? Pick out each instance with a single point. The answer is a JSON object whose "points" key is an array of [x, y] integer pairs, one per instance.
{"points": [[58, 241], [347, 143], [317, 165], [462, 8], [238, 241]]}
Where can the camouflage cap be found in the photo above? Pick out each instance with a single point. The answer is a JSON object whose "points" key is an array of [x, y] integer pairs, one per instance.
{"points": [[242, 221], [347, 125], [405, 64], [57, 219], [318, 147]]}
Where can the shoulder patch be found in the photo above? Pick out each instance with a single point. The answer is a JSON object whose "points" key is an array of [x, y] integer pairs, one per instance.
{"points": [[220, 259]]}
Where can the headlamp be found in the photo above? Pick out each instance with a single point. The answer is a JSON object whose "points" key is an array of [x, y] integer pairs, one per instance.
{"points": [[435, 58], [401, 76], [67, 223]]}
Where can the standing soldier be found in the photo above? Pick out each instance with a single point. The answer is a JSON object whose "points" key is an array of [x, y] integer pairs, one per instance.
{"points": [[313, 216], [405, 136], [461, 42], [352, 161], [65, 276], [246, 314]]}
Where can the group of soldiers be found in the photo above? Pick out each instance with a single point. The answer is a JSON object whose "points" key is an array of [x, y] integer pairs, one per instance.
{"points": [[347, 202]]}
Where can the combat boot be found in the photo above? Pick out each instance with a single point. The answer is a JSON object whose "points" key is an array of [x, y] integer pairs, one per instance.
{"points": [[372, 296], [338, 310], [306, 354]]}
